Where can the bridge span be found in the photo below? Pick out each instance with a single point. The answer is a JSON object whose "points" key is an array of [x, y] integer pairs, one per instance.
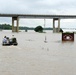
{"points": [[15, 17]]}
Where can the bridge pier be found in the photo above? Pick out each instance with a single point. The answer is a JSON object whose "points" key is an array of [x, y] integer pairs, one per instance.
{"points": [[54, 28], [15, 28]]}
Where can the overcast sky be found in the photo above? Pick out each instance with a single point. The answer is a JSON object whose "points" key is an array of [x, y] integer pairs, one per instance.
{"points": [[58, 7]]}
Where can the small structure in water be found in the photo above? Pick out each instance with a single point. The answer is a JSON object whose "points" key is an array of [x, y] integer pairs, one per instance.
{"points": [[45, 40], [26, 29], [67, 36]]}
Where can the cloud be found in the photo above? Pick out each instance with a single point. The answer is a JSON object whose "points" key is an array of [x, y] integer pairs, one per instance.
{"points": [[37, 7]]}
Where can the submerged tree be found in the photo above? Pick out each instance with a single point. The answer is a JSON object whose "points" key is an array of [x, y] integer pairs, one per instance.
{"points": [[38, 29], [61, 30]]}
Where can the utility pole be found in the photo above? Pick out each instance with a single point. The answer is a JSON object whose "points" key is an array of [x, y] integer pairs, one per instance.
{"points": [[44, 31], [44, 24]]}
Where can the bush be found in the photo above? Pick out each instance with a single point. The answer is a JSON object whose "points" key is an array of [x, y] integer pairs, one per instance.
{"points": [[38, 29], [61, 30]]}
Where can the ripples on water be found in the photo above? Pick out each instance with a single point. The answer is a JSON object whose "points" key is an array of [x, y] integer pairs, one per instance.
{"points": [[24, 38], [35, 57]]}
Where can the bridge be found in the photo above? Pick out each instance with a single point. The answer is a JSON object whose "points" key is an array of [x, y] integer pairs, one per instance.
{"points": [[15, 17]]}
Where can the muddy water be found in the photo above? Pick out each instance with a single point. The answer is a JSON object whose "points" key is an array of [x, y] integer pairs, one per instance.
{"points": [[37, 54]]}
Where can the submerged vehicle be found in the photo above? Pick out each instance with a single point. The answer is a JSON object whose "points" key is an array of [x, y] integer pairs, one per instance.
{"points": [[9, 42]]}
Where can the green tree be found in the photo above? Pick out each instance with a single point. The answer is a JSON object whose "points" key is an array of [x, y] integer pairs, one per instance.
{"points": [[61, 30], [38, 29]]}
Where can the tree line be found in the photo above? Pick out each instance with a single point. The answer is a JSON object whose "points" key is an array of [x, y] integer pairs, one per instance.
{"points": [[9, 27], [5, 26]]}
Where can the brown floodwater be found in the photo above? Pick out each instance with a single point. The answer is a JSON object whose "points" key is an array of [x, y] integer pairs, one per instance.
{"points": [[37, 54]]}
